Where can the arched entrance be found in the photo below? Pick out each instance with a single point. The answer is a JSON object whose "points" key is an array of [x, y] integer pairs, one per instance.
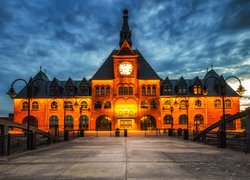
{"points": [[33, 121], [103, 123], [148, 122]]}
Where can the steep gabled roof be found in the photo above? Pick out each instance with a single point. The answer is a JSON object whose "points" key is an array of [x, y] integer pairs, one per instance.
{"points": [[167, 82], [196, 81], [106, 71], [125, 49], [84, 82], [145, 71], [69, 82], [181, 82]]}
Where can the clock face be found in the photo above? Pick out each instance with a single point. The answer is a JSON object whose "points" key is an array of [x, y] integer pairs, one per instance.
{"points": [[125, 68]]}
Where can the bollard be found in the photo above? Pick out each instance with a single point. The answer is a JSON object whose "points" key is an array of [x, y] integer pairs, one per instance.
{"points": [[82, 133], [117, 132], [186, 136], [170, 132], [125, 133], [66, 135]]}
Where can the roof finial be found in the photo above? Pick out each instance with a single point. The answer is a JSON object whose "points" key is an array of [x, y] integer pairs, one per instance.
{"points": [[212, 66], [125, 33], [207, 70], [44, 71], [40, 68]]}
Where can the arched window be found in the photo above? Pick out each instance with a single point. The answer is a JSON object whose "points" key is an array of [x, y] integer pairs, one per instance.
{"points": [[144, 104], [183, 119], [217, 103], [98, 105], [198, 104], [198, 119], [107, 91], [153, 90], [68, 122], [84, 105], [35, 105], [107, 105], [120, 91], [167, 104], [25, 105], [102, 91], [148, 90], [97, 91], [53, 122], [143, 90], [197, 89], [125, 90], [228, 103], [130, 91], [183, 104], [154, 104], [68, 105], [54, 105], [83, 122], [168, 120]]}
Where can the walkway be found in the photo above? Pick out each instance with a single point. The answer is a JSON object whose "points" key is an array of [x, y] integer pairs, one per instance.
{"points": [[127, 158]]}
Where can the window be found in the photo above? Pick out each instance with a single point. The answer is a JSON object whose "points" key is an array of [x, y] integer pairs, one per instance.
{"points": [[197, 89], [217, 103], [182, 89], [97, 91], [83, 122], [130, 91], [54, 105], [198, 119], [107, 105], [107, 91], [84, 105], [54, 91], [183, 104], [168, 120], [102, 91], [98, 105], [120, 91], [167, 104], [154, 104], [84, 90], [228, 103], [25, 105], [148, 90], [143, 91], [68, 105], [166, 89], [35, 105], [183, 119], [144, 105], [198, 104], [154, 90], [53, 122], [69, 90], [125, 90], [68, 122]]}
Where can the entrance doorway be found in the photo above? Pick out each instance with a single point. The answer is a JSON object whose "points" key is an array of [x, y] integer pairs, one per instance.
{"points": [[148, 122], [103, 123], [126, 123]]}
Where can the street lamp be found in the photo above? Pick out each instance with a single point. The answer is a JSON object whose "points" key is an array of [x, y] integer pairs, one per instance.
{"points": [[186, 133], [222, 84], [13, 94]]}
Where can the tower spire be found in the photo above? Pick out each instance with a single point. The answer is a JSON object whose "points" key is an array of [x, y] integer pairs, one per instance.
{"points": [[125, 33]]}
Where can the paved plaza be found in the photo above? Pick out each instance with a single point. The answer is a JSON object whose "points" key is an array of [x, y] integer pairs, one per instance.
{"points": [[127, 158]]}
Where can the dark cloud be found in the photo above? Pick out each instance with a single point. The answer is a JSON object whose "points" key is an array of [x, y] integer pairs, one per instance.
{"points": [[73, 38]]}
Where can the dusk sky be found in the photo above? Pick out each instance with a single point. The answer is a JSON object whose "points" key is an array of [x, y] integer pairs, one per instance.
{"points": [[72, 38]]}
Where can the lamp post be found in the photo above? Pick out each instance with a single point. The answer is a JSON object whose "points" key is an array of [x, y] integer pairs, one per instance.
{"points": [[13, 94], [222, 84], [186, 133], [171, 111]]}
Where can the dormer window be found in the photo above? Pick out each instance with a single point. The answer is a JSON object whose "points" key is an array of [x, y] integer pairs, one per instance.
{"points": [[84, 90], [197, 89], [70, 90], [54, 90], [182, 89]]}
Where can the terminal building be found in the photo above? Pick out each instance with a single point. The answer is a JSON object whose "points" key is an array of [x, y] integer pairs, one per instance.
{"points": [[125, 92]]}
